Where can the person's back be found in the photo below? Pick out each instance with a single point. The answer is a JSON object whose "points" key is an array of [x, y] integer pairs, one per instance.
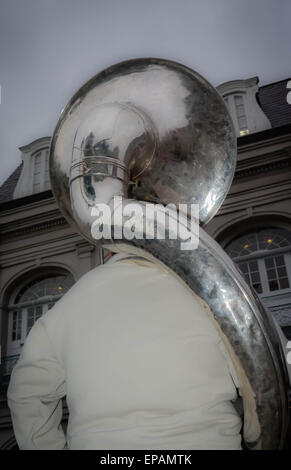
{"points": [[139, 360]]}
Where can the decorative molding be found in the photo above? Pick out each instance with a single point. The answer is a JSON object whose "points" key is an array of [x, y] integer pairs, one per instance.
{"points": [[272, 143], [260, 168], [234, 86], [263, 196], [255, 158], [36, 144], [282, 314], [249, 211], [31, 216], [45, 250], [33, 229], [84, 249]]}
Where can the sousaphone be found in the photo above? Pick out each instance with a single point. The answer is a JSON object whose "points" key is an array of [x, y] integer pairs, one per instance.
{"points": [[154, 131]]}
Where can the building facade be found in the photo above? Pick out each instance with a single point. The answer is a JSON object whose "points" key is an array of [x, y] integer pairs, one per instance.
{"points": [[41, 256]]}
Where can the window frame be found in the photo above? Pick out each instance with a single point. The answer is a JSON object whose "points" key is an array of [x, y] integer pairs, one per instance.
{"points": [[277, 302], [260, 257], [13, 346]]}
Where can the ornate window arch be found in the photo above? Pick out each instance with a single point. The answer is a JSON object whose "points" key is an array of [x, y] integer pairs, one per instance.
{"points": [[29, 301], [264, 258]]}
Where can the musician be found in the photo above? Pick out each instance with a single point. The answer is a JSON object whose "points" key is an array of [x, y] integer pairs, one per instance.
{"points": [[139, 360]]}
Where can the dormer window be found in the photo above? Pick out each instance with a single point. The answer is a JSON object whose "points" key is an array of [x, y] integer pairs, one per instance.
{"points": [[34, 177], [240, 99]]}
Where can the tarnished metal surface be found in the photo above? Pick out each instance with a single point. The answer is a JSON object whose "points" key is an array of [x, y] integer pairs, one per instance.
{"points": [[153, 130], [195, 154]]}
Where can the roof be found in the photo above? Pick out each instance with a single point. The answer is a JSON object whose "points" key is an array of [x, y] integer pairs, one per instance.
{"points": [[7, 188], [273, 101]]}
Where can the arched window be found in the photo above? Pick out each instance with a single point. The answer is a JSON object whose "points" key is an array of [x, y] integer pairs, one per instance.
{"points": [[264, 258], [31, 302]]}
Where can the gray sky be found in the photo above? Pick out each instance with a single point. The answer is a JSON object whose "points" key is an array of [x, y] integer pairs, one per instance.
{"points": [[49, 48]]}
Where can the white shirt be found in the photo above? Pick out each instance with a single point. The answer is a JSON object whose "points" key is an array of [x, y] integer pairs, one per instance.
{"points": [[139, 361]]}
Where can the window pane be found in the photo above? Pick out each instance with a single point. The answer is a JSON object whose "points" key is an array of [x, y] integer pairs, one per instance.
{"points": [[243, 267], [253, 265], [242, 122], [38, 311], [33, 313], [280, 260], [282, 272], [269, 262], [272, 274], [30, 322], [240, 112], [258, 288], [252, 275], [247, 278], [30, 311], [277, 275], [273, 285], [255, 277], [284, 283], [19, 323], [16, 325]]}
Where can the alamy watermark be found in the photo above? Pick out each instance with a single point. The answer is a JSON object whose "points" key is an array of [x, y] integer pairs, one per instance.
{"points": [[125, 219]]}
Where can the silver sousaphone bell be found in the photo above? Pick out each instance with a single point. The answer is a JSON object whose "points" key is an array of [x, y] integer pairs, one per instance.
{"points": [[152, 130]]}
